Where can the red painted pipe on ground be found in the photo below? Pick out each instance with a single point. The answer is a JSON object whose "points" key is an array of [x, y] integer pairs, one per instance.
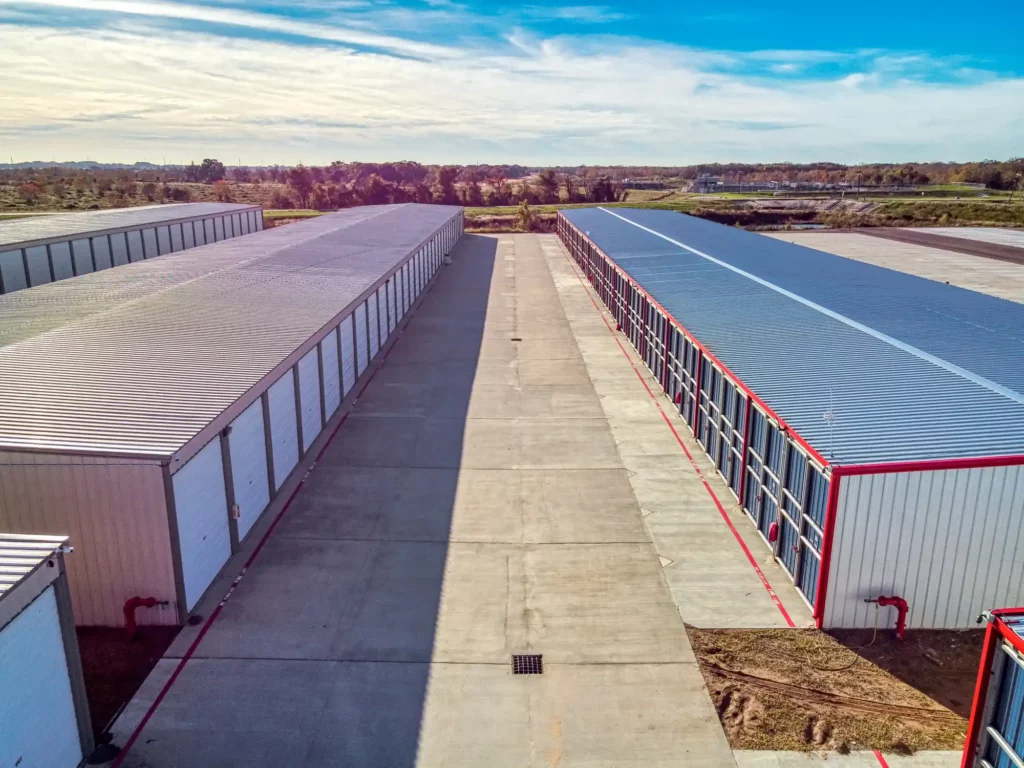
{"points": [[129, 611]]}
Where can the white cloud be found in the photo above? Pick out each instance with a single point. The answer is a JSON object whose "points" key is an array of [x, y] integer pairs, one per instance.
{"points": [[146, 92]]}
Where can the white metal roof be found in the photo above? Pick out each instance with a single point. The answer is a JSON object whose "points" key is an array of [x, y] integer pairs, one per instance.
{"points": [[20, 554], [998, 235], [138, 360], [35, 230]]}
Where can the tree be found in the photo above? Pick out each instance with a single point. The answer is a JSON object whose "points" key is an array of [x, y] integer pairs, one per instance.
{"points": [[241, 175], [547, 186], [210, 171], [524, 217], [301, 180], [281, 200], [445, 192], [149, 190], [29, 193], [570, 189]]}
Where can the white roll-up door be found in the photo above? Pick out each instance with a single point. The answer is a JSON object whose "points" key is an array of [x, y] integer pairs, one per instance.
{"points": [[246, 229], [190, 234], [332, 383], [284, 430], [309, 396], [163, 239], [118, 249], [12, 270], [38, 265], [400, 293], [208, 231], [236, 223], [361, 333], [38, 725], [101, 252], [197, 228], [219, 227], [389, 293], [373, 319], [177, 243], [348, 358], [82, 255], [201, 509], [149, 241], [258, 215], [248, 449], [60, 257], [136, 250]]}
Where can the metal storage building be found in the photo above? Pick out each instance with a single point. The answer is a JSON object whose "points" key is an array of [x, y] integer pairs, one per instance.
{"points": [[155, 418], [44, 715], [37, 250], [869, 422], [995, 735]]}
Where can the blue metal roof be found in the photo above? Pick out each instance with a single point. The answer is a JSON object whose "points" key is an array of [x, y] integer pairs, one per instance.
{"points": [[913, 369]]}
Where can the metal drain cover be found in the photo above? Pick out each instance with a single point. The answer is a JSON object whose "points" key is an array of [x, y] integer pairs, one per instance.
{"points": [[527, 664]]}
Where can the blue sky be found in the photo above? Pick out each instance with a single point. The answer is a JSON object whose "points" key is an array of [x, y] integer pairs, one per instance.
{"points": [[656, 82]]}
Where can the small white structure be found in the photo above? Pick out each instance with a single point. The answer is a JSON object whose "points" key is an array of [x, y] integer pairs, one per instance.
{"points": [[44, 715]]}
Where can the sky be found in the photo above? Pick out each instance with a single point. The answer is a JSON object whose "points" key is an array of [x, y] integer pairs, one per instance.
{"points": [[657, 82]]}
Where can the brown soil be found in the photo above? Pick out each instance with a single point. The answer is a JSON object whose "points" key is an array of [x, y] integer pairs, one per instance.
{"points": [[115, 666], [806, 690]]}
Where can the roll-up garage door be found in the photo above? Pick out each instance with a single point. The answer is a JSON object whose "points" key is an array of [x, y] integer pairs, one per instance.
{"points": [[12, 271], [38, 265], [208, 230], [284, 429], [348, 359], [60, 257], [38, 726], [149, 239], [177, 243], [163, 236], [189, 233], [332, 383], [201, 509], [373, 319], [101, 252], [246, 228], [119, 249], [82, 255], [248, 450], [390, 292], [219, 224], [361, 333], [136, 250], [400, 293], [309, 395]]}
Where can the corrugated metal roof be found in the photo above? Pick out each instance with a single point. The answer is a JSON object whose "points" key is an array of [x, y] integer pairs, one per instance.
{"points": [[1014, 237], [912, 368], [140, 359], [20, 554], [14, 233]]}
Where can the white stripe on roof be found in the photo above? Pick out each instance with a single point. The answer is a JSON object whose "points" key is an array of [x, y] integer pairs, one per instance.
{"points": [[909, 348]]}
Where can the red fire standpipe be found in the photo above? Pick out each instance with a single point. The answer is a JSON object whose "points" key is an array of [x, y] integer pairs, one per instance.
{"points": [[129, 611], [901, 611]]}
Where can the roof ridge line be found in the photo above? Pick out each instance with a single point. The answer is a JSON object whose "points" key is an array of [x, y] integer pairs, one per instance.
{"points": [[867, 329]]}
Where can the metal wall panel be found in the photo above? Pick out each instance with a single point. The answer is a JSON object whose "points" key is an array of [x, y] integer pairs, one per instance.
{"points": [[309, 396], [373, 318], [82, 254], [36, 689], [236, 223], [284, 430], [951, 543], [219, 227], [361, 335], [348, 359], [177, 241], [201, 509], [390, 293], [101, 252], [400, 308], [189, 233], [118, 249], [248, 450], [149, 242], [136, 248], [60, 258], [211, 237], [246, 229], [200, 232], [123, 545], [332, 374], [12, 271], [38, 265]]}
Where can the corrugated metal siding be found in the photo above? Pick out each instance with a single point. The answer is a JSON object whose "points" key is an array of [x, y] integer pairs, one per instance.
{"points": [[248, 450], [373, 313], [951, 543], [140, 360], [283, 427], [21, 554], [890, 404], [362, 333], [115, 513], [309, 397], [332, 374], [348, 360]]}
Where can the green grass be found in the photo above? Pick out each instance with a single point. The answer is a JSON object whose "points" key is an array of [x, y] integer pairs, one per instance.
{"points": [[291, 213]]}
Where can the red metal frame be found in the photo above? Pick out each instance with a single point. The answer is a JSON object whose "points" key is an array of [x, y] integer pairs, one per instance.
{"points": [[831, 507], [994, 634], [743, 458], [933, 465]]}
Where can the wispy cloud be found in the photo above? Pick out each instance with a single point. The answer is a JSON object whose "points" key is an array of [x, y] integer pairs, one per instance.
{"points": [[165, 79], [586, 14]]}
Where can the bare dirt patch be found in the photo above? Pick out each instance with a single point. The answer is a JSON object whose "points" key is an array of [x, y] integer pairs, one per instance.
{"points": [[814, 691], [114, 666]]}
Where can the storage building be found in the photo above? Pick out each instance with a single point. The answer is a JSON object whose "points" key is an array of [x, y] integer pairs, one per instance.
{"points": [[995, 735], [37, 250], [155, 418], [869, 422], [44, 715]]}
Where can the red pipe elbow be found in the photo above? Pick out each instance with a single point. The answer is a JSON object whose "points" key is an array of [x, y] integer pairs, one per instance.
{"points": [[901, 612], [129, 611]]}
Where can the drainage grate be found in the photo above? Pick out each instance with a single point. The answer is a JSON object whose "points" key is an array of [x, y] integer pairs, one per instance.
{"points": [[527, 664], [516, 338]]}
